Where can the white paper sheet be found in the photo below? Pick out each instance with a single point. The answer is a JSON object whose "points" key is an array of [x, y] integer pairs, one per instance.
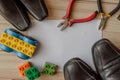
{"points": [[59, 46]]}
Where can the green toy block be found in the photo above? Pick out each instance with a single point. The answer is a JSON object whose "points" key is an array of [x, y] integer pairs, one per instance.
{"points": [[32, 73], [49, 69]]}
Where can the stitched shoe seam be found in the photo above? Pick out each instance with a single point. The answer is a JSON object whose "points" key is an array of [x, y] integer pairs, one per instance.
{"points": [[114, 72], [68, 74], [84, 69], [112, 65], [100, 70]]}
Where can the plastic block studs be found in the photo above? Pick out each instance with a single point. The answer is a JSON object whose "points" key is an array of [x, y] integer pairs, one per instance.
{"points": [[23, 46], [32, 73], [24, 67], [17, 44], [49, 69]]}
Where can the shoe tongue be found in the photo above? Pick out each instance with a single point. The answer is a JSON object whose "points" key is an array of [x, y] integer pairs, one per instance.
{"points": [[77, 72], [12, 12], [37, 8]]}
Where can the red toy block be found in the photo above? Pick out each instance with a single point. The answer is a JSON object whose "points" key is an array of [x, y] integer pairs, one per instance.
{"points": [[24, 67]]}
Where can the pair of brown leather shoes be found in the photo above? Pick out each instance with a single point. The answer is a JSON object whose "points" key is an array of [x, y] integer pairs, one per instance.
{"points": [[106, 58], [15, 11]]}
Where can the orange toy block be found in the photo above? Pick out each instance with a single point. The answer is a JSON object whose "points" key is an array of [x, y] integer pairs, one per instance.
{"points": [[24, 67]]}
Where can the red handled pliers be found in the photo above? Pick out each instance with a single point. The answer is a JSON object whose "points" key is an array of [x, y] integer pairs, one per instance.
{"points": [[68, 21]]}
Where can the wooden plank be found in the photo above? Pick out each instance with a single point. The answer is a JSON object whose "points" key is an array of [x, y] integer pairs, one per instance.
{"points": [[113, 37], [8, 65], [57, 9], [105, 1]]}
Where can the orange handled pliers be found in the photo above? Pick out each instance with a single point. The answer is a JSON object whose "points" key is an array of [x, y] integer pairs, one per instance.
{"points": [[68, 21]]}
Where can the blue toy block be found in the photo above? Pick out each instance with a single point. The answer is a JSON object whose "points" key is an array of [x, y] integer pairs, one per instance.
{"points": [[13, 41]]}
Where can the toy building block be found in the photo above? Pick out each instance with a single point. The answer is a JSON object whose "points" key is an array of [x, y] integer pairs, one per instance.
{"points": [[49, 69], [23, 46], [32, 73], [24, 67]]}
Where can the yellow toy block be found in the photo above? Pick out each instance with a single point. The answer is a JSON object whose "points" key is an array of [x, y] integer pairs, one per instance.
{"points": [[17, 44]]}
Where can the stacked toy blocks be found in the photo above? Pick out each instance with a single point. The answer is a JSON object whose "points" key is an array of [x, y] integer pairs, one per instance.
{"points": [[30, 72], [17, 44], [12, 41], [49, 69], [24, 67]]}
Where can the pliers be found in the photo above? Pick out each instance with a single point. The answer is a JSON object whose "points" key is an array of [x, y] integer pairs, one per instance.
{"points": [[104, 16], [68, 21], [118, 17]]}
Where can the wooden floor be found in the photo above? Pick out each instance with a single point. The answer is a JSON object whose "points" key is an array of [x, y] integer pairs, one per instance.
{"points": [[57, 8]]}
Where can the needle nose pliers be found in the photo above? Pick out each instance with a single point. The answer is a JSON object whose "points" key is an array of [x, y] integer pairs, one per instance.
{"points": [[68, 21], [104, 16], [118, 17]]}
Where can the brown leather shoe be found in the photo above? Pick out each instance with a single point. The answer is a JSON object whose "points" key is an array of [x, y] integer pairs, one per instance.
{"points": [[76, 69], [106, 59], [12, 11], [36, 8]]}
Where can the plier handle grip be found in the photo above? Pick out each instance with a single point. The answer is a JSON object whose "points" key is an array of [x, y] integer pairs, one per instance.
{"points": [[68, 21], [104, 17]]}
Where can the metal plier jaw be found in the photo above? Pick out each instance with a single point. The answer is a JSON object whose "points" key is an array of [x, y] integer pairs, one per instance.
{"points": [[64, 24], [118, 17], [68, 21], [103, 21]]}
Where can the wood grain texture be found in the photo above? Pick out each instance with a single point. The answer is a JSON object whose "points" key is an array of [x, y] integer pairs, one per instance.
{"points": [[57, 9]]}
